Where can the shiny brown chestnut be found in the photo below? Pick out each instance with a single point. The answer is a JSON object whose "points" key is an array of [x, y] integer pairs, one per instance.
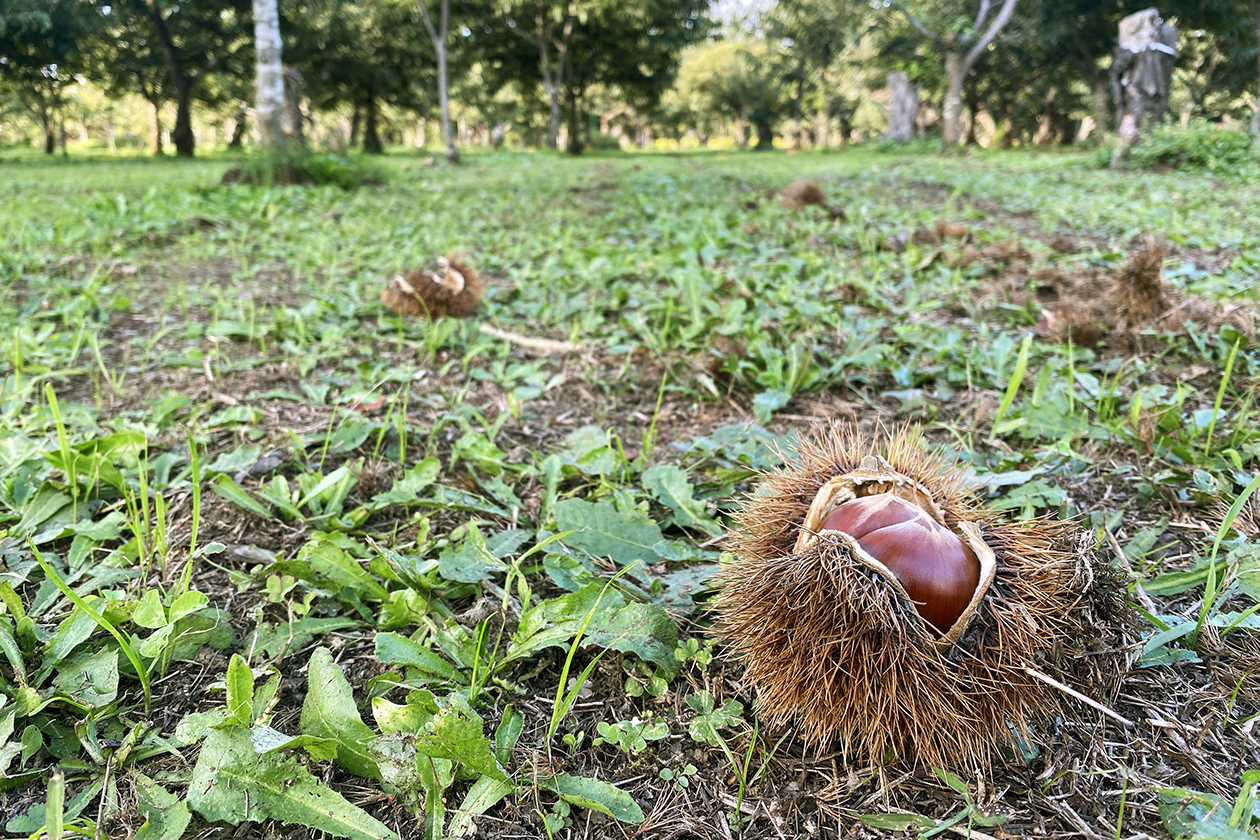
{"points": [[938, 570]]}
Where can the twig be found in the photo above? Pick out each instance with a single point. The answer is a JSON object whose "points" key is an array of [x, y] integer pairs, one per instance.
{"points": [[1088, 701], [542, 345]]}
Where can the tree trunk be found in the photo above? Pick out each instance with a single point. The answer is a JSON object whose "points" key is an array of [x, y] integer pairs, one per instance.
{"points": [[158, 151], [1101, 116], [955, 74], [796, 102], [575, 130], [741, 131], [903, 111], [371, 140], [356, 118], [551, 81], [765, 136], [1255, 23], [238, 130], [50, 128], [269, 77], [183, 138], [439, 36], [444, 99]]}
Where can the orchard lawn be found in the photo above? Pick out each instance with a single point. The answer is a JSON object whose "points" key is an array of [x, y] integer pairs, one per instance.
{"points": [[276, 558]]}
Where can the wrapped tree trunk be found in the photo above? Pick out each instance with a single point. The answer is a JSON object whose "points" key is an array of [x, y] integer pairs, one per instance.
{"points": [[903, 112], [269, 76], [1141, 73]]}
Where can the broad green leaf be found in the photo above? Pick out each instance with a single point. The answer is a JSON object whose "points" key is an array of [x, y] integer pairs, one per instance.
{"points": [[409, 718], [605, 532], [13, 653], [149, 611], [331, 561], [395, 755], [508, 733], [240, 691], [233, 783], [241, 458], [393, 649], [156, 643], [472, 562], [1247, 556], [166, 816], [187, 604], [645, 630], [1193, 815], [194, 726], [484, 794], [896, 822], [768, 402], [90, 677], [587, 450], [668, 484], [265, 739], [100, 529], [595, 795], [330, 712], [709, 720], [44, 506], [73, 631], [326, 483], [456, 733], [407, 488], [352, 432], [225, 487]]}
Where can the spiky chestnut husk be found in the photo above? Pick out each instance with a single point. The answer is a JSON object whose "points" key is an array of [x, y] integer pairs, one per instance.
{"points": [[835, 646], [453, 290]]}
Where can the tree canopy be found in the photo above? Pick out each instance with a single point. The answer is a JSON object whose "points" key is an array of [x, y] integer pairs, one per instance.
{"points": [[583, 72]]}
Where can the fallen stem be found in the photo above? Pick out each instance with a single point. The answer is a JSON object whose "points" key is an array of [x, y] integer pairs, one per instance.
{"points": [[543, 345], [1088, 701]]}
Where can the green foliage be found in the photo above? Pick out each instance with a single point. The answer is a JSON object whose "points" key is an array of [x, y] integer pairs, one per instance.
{"points": [[234, 783], [1201, 145], [305, 167], [630, 736], [433, 516]]}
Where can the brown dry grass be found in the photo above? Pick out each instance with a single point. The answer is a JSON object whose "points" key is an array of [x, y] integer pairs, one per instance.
{"points": [[1127, 306]]}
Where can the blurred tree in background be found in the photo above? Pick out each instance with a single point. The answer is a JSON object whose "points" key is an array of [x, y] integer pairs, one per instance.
{"points": [[582, 73]]}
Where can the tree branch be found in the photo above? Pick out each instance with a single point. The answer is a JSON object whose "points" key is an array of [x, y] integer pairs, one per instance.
{"points": [[1003, 17], [428, 22], [981, 15], [918, 24]]}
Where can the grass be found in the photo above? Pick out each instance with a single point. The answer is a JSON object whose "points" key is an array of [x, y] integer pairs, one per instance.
{"points": [[394, 541]]}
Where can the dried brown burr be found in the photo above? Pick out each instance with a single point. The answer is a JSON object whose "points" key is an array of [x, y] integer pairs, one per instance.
{"points": [[454, 290], [879, 609], [800, 194]]}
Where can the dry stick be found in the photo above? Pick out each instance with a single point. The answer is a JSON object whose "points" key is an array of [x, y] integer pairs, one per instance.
{"points": [[543, 345], [1088, 701]]}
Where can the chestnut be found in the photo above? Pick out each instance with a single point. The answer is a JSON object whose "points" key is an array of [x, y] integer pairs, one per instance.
{"points": [[938, 570], [824, 556]]}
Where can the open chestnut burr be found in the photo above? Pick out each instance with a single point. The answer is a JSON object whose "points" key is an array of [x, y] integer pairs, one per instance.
{"points": [[879, 609]]}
